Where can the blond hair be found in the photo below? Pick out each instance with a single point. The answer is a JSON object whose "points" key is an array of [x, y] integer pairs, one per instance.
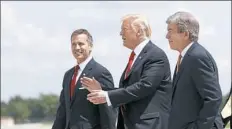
{"points": [[140, 21]]}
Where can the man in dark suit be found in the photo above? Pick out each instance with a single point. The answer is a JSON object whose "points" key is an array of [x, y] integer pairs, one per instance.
{"points": [[196, 91], [144, 92], [75, 111]]}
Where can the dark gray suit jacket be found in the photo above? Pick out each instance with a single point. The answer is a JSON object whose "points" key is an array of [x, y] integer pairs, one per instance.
{"points": [[79, 113], [197, 94], [146, 92]]}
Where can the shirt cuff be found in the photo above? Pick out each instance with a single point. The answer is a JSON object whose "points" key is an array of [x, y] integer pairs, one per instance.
{"points": [[107, 99]]}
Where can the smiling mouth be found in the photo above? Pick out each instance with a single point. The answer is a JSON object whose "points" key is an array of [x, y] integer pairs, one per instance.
{"points": [[123, 38], [78, 53]]}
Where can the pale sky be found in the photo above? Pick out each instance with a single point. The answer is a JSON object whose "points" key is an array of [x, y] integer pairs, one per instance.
{"points": [[35, 39]]}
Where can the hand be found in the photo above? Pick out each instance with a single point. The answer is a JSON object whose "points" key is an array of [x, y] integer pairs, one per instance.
{"points": [[97, 96], [90, 84]]}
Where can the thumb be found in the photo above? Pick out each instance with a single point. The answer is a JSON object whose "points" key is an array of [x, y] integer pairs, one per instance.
{"points": [[94, 80]]}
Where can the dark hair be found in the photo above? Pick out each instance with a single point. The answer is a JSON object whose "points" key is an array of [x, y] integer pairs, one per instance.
{"points": [[83, 31]]}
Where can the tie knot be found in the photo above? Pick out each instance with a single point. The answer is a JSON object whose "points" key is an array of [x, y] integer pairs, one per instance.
{"points": [[132, 55], [77, 67], [180, 56], [179, 59]]}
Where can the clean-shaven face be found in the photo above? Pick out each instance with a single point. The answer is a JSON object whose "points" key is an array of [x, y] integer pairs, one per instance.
{"points": [[128, 35], [175, 38], [81, 48]]}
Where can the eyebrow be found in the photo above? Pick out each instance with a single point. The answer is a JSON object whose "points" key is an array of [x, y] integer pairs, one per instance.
{"points": [[77, 42], [124, 27]]}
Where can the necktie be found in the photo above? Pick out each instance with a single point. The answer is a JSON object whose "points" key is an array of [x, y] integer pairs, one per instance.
{"points": [[130, 63], [73, 82], [132, 55], [178, 63]]}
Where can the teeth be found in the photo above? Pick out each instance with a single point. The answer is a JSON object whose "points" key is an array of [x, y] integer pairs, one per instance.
{"points": [[78, 52]]}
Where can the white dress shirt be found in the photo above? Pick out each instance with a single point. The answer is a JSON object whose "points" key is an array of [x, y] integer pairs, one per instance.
{"points": [[83, 65], [185, 50]]}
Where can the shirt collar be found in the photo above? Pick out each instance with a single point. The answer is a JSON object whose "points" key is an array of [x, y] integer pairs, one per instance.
{"points": [[140, 47], [85, 62], [186, 49]]}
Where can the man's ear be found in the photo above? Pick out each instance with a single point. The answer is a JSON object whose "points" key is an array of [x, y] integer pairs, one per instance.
{"points": [[186, 35], [139, 32], [91, 46]]}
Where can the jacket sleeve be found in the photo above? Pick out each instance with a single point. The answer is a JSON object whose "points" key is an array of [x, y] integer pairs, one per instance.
{"points": [[151, 77], [108, 114], [60, 120], [205, 77]]}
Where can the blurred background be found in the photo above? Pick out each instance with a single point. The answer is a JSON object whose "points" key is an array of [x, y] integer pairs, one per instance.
{"points": [[36, 51]]}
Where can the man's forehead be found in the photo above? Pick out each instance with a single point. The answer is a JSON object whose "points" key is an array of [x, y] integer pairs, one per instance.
{"points": [[77, 40], [125, 24], [172, 26], [80, 36]]}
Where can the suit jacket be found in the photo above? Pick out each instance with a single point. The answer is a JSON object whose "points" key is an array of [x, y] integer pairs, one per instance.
{"points": [[146, 92], [79, 113], [197, 94]]}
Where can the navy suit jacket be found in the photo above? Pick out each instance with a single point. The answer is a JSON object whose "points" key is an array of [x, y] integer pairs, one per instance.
{"points": [[146, 92], [197, 95], [79, 113]]}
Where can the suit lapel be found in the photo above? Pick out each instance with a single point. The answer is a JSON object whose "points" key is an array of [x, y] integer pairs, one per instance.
{"points": [[122, 78], [182, 65], [174, 74], [68, 82], [138, 59], [177, 75], [86, 72]]}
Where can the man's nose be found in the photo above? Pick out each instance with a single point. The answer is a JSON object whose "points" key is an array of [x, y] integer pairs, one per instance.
{"points": [[77, 47], [167, 36]]}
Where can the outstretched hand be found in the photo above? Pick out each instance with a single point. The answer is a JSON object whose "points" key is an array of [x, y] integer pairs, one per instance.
{"points": [[97, 97], [90, 84]]}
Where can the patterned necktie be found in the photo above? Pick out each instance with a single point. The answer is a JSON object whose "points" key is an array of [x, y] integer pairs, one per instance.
{"points": [[73, 82], [178, 63], [130, 63]]}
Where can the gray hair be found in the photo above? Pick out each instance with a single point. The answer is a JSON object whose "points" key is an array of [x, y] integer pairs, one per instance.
{"points": [[185, 22], [139, 21]]}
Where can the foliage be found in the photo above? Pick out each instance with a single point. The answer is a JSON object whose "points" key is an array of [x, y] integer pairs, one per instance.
{"points": [[23, 110]]}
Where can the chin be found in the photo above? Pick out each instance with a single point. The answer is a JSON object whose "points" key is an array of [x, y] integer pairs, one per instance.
{"points": [[78, 58], [174, 49], [124, 44], [171, 46], [79, 61]]}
